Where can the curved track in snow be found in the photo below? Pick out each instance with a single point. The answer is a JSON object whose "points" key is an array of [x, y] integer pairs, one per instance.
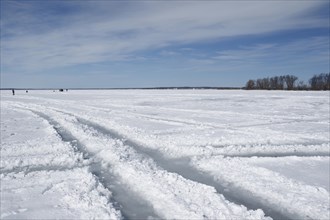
{"points": [[151, 175], [172, 184]]}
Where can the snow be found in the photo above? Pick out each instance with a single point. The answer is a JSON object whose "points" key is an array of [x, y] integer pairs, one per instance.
{"points": [[29, 142], [189, 154], [171, 195], [313, 171], [296, 199], [41, 177], [67, 194]]}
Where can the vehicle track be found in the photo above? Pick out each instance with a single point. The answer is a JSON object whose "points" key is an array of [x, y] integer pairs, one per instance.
{"points": [[258, 150], [30, 169], [279, 154], [183, 168], [101, 172], [133, 208], [180, 166]]}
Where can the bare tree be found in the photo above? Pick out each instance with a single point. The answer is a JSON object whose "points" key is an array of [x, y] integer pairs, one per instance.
{"points": [[301, 86], [266, 83], [327, 81], [274, 82], [259, 84], [250, 84], [320, 82], [290, 81], [281, 82]]}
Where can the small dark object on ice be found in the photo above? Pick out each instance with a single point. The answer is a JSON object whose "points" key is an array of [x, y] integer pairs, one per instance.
{"points": [[13, 91]]}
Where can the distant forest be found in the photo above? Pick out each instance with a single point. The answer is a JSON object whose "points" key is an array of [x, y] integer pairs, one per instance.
{"points": [[290, 82]]}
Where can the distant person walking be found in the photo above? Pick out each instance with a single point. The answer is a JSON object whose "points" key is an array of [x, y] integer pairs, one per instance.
{"points": [[13, 91]]}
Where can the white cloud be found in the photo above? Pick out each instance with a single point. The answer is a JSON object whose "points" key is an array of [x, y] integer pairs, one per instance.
{"points": [[169, 53], [116, 31], [304, 50]]}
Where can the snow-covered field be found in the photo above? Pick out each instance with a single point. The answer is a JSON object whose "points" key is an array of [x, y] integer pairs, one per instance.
{"points": [[173, 154]]}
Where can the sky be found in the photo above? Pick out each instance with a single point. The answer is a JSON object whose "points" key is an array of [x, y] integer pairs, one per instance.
{"points": [[122, 44]]}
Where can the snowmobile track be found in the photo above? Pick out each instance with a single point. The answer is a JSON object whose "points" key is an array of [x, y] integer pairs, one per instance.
{"points": [[184, 169], [280, 154], [133, 208], [30, 169]]}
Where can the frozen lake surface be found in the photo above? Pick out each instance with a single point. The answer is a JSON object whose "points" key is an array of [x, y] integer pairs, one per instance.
{"points": [[170, 154]]}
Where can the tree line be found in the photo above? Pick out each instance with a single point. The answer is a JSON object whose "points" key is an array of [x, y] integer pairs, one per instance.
{"points": [[290, 82]]}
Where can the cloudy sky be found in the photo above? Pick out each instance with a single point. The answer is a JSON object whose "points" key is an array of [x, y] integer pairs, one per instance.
{"points": [[79, 43]]}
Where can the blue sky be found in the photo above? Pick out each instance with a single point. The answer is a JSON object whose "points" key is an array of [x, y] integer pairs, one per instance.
{"points": [[84, 44]]}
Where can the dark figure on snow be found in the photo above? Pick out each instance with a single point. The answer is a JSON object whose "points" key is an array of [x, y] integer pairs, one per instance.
{"points": [[13, 91], [26, 91]]}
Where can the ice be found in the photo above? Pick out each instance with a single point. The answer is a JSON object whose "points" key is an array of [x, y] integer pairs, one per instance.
{"points": [[173, 153]]}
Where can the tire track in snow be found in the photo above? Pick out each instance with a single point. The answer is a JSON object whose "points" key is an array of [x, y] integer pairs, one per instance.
{"points": [[30, 169], [190, 122], [128, 202], [279, 154], [320, 149], [299, 199], [213, 204], [184, 169]]}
